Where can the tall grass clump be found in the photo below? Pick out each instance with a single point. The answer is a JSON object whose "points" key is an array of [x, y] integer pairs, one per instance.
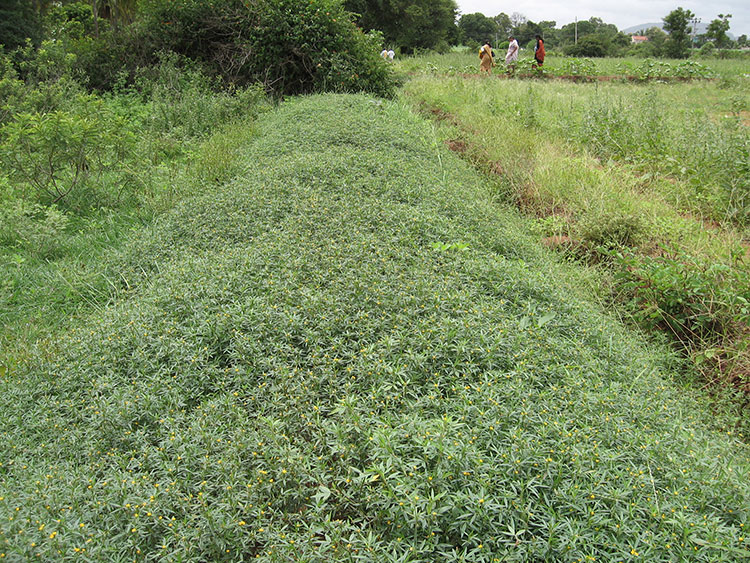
{"points": [[353, 352], [711, 155]]}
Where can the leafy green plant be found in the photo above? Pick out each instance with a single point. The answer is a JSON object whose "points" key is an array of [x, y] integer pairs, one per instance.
{"points": [[693, 69], [650, 69], [530, 66], [59, 152], [296, 374], [612, 230], [695, 300], [185, 102], [449, 246], [581, 68]]}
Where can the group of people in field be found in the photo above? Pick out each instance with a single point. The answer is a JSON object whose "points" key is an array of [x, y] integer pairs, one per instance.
{"points": [[487, 55]]}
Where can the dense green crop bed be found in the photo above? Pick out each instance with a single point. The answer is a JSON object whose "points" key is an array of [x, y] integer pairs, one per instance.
{"points": [[351, 352]]}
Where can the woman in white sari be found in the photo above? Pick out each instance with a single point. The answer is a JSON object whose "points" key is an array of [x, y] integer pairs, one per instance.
{"points": [[512, 55]]}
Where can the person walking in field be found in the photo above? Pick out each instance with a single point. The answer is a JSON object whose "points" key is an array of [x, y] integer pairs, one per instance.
{"points": [[512, 55], [539, 52], [486, 58]]}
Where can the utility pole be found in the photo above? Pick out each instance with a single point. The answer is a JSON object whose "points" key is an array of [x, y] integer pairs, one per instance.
{"points": [[695, 22], [576, 40]]}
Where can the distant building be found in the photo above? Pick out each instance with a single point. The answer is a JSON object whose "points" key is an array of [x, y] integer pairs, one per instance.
{"points": [[635, 39]]}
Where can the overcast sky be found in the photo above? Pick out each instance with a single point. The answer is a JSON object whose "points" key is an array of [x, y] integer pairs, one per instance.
{"points": [[623, 14]]}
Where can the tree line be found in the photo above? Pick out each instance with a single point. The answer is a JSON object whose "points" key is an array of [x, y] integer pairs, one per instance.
{"points": [[595, 38], [219, 30]]}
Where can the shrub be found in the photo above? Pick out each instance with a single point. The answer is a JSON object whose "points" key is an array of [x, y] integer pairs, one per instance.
{"points": [[707, 49], [12, 89], [611, 230], [49, 63], [55, 154], [291, 47], [589, 46], [35, 94], [183, 98], [71, 21]]}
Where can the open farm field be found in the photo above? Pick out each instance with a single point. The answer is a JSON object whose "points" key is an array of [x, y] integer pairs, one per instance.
{"points": [[650, 180], [353, 350], [596, 68]]}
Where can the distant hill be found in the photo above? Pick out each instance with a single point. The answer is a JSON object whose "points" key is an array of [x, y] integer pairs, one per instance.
{"points": [[701, 28], [642, 27]]}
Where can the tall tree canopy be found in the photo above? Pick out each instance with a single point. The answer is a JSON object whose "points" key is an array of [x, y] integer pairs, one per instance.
{"points": [[19, 20], [504, 25], [595, 38], [592, 26], [677, 25], [408, 24], [292, 47], [476, 28], [717, 29]]}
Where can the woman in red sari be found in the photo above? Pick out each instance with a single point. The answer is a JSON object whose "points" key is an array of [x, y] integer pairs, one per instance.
{"points": [[539, 51]]}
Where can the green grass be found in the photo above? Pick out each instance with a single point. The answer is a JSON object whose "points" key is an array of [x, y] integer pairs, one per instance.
{"points": [[352, 352], [43, 291], [614, 169], [654, 149], [734, 70]]}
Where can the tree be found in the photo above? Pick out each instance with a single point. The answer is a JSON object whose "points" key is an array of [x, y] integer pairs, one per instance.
{"points": [[591, 26], [117, 11], [476, 28], [526, 32], [408, 24], [548, 32], [291, 47], [605, 37], [717, 30], [518, 19], [504, 25], [657, 39], [18, 21], [677, 25], [589, 46]]}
